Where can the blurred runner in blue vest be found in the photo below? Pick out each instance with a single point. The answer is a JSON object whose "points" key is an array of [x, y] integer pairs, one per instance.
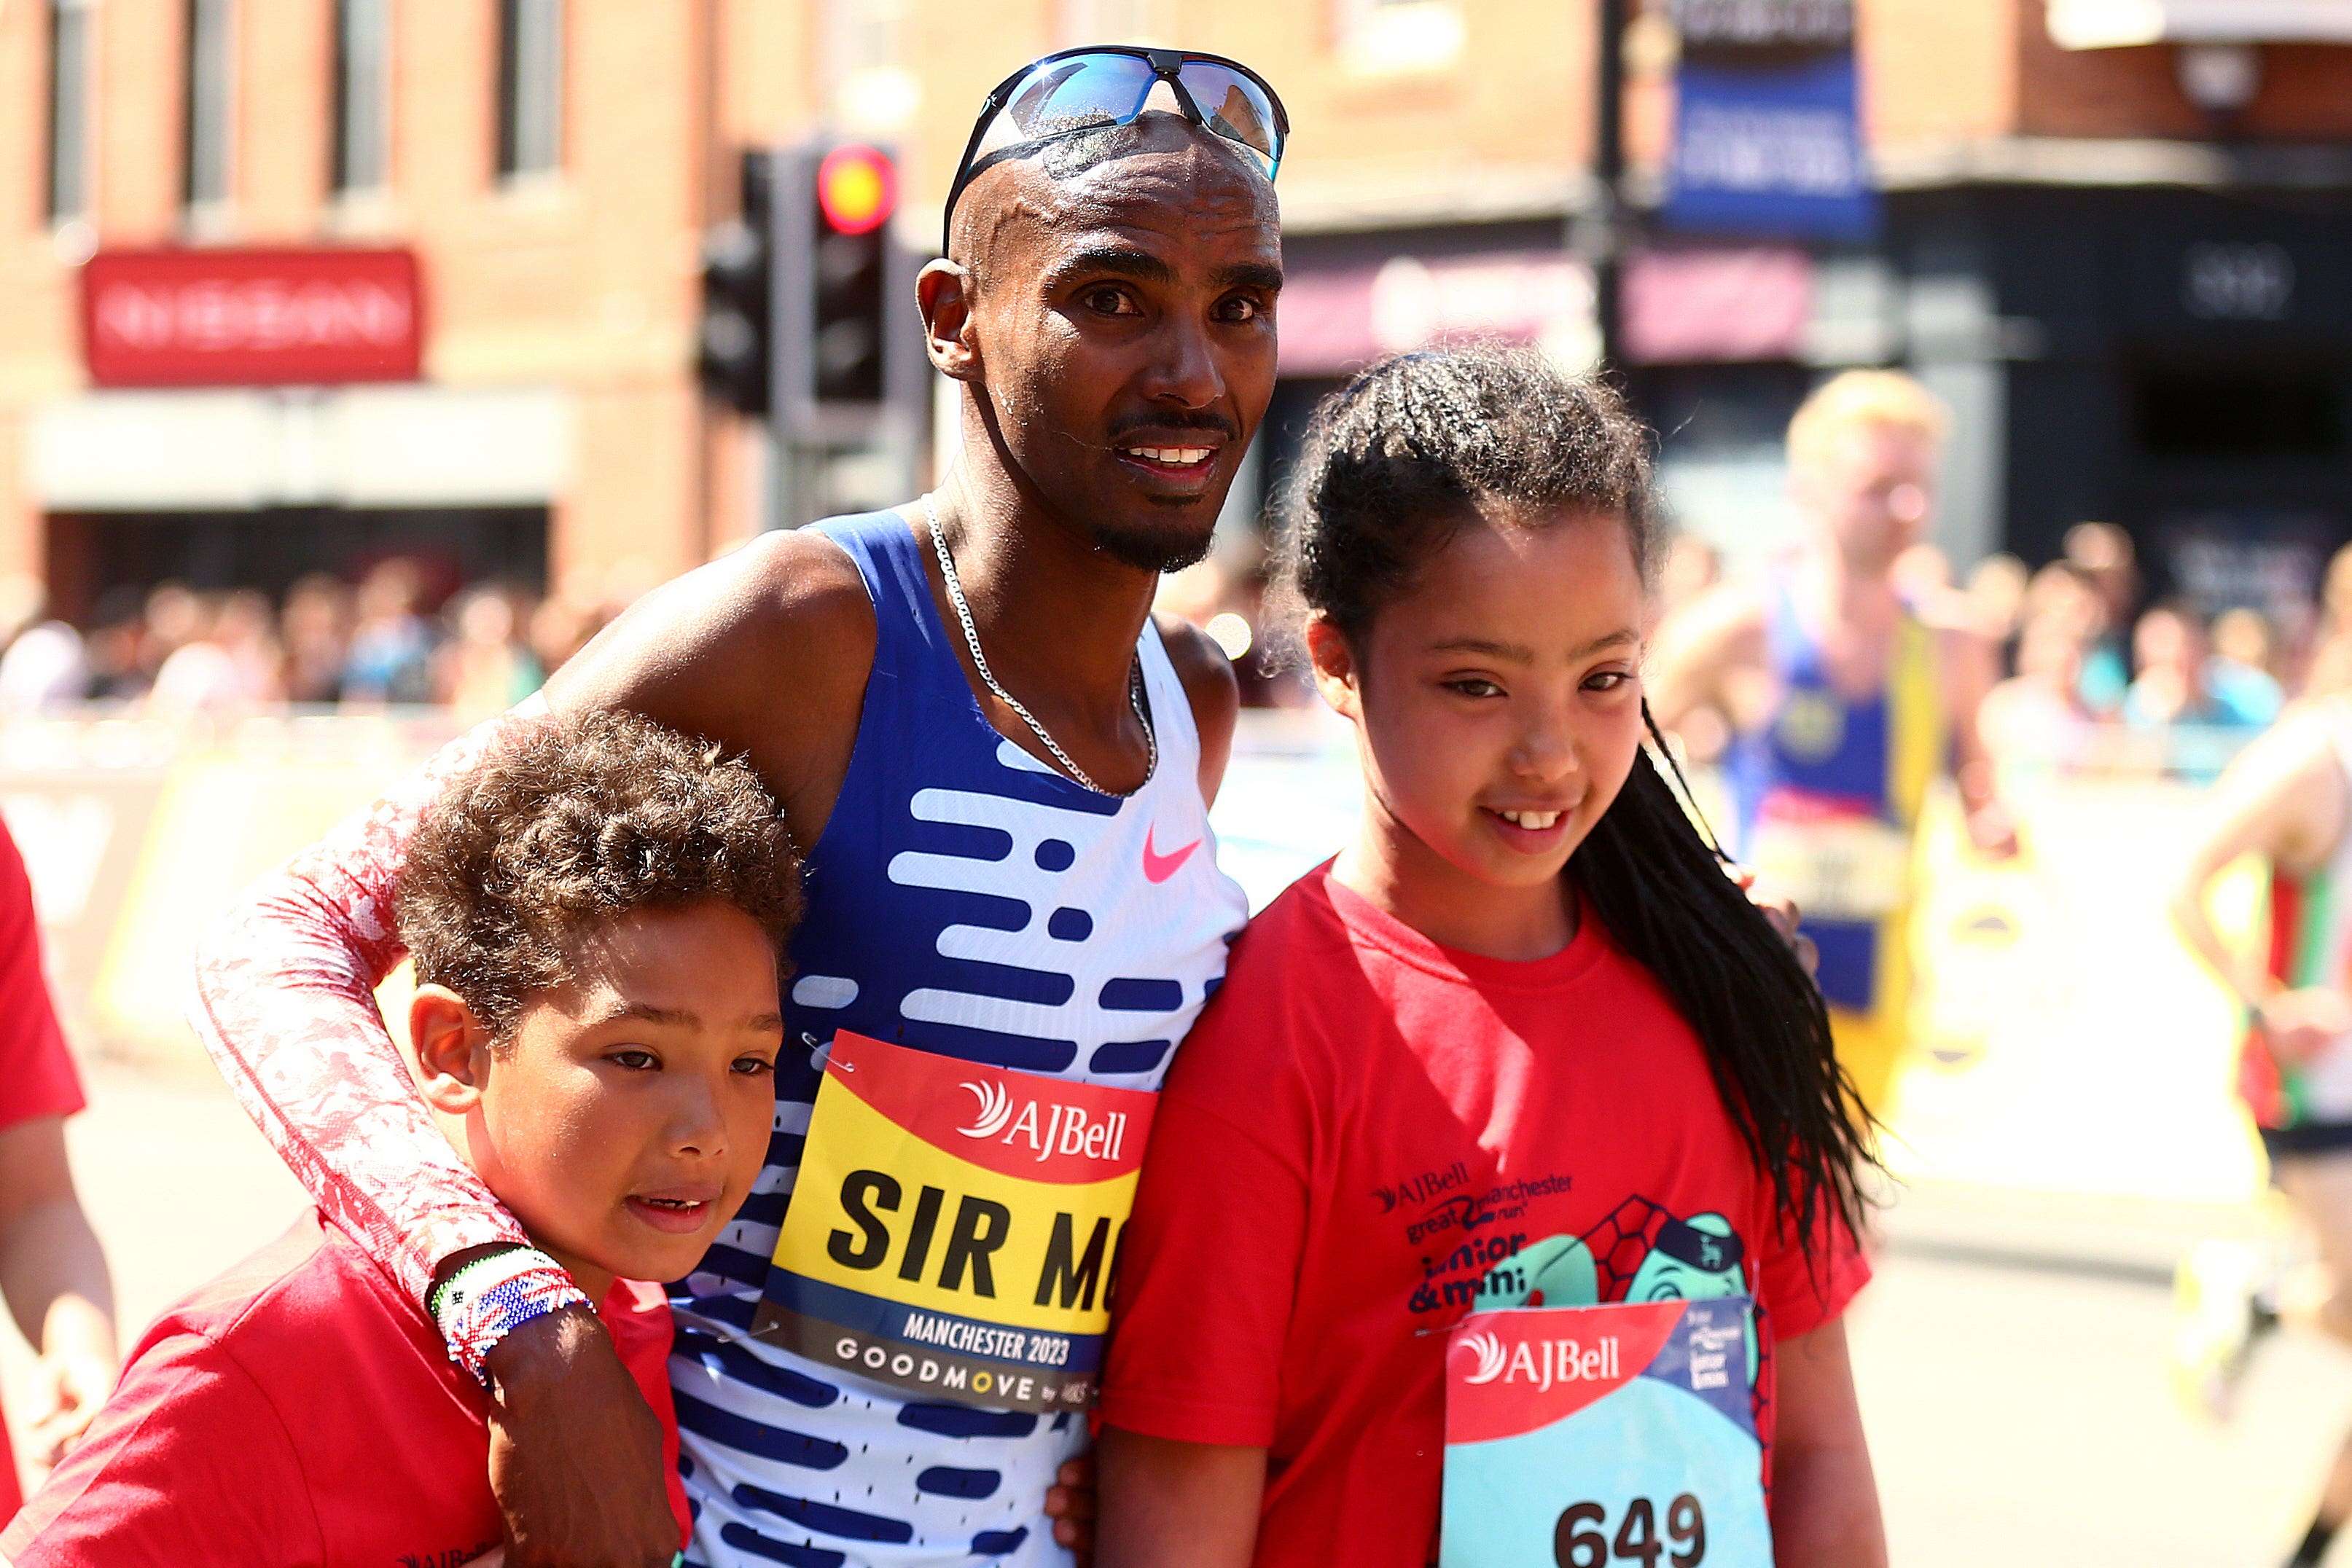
{"points": [[1844, 701]]}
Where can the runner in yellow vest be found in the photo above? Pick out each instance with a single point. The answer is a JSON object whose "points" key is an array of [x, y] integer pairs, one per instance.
{"points": [[1844, 704]]}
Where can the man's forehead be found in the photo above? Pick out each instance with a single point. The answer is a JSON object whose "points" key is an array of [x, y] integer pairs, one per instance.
{"points": [[1180, 183], [1157, 207], [1173, 161]]}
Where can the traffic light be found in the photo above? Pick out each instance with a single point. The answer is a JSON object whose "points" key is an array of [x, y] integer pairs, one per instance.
{"points": [[738, 265], [849, 366], [856, 188]]}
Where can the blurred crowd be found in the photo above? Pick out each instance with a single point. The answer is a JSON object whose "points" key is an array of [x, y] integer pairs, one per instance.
{"points": [[2097, 678], [176, 652]]}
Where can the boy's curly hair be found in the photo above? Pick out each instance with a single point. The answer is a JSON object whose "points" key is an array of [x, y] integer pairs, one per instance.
{"points": [[575, 825]]}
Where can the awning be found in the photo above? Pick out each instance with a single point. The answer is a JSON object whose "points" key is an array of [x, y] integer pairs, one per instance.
{"points": [[1333, 322], [236, 450], [2118, 23], [1700, 305], [1696, 306]]}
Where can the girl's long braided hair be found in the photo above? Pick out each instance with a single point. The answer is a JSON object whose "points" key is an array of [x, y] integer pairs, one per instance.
{"points": [[1419, 447]]}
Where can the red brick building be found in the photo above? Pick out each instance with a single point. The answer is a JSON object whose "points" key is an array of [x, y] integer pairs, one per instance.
{"points": [[2116, 237], [550, 167], [2122, 229], [2103, 221]]}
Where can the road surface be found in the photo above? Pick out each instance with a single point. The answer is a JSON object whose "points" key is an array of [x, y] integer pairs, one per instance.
{"points": [[2011, 1361]]}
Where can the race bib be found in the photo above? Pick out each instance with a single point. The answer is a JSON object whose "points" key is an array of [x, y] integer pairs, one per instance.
{"points": [[1837, 863], [954, 1230], [1585, 1436]]}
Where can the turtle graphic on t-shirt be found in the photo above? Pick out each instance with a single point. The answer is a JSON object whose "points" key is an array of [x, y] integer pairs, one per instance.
{"points": [[1639, 1252]]}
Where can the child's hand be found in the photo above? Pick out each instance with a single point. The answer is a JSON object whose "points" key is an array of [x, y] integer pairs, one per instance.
{"points": [[1781, 912], [75, 1383], [1992, 831], [2301, 1026], [1070, 1504]]}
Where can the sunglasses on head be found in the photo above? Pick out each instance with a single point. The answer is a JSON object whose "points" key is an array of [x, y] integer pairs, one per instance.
{"points": [[1085, 88]]}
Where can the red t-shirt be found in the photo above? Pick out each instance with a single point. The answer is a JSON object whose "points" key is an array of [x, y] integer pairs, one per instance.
{"points": [[1360, 1126], [36, 1074], [297, 1410]]}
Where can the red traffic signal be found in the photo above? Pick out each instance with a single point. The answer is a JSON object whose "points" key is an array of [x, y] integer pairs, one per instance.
{"points": [[837, 277], [856, 189]]}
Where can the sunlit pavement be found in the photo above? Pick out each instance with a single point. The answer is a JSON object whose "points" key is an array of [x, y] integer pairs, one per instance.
{"points": [[179, 1186], [2011, 1357], [2011, 1352]]}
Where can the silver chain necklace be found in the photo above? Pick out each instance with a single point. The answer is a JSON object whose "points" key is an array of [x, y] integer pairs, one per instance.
{"points": [[988, 677]]}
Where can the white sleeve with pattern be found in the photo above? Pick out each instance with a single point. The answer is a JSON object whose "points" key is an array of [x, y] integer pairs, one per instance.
{"points": [[285, 1002]]}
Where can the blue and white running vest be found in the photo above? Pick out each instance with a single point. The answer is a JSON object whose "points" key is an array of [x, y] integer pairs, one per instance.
{"points": [[967, 900]]}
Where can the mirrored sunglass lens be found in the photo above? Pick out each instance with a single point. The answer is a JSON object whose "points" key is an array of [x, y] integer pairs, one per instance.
{"points": [[1236, 107], [1071, 95]]}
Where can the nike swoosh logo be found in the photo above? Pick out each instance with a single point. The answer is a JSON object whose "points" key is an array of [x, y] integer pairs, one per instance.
{"points": [[1158, 867]]}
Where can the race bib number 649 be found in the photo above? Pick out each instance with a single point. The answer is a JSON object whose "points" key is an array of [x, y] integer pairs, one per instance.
{"points": [[1593, 1436], [954, 1229]]}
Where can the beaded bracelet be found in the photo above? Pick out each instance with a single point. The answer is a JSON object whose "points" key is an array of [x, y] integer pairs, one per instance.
{"points": [[489, 1298]]}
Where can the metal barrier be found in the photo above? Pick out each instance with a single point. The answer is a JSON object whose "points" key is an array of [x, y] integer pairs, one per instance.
{"points": [[136, 829], [2063, 1038]]}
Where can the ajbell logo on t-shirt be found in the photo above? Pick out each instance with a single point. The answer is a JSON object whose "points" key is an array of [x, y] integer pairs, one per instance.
{"points": [[954, 1227]]}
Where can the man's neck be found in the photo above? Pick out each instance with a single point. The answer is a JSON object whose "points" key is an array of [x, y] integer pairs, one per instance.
{"points": [[1845, 593], [1055, 616]]}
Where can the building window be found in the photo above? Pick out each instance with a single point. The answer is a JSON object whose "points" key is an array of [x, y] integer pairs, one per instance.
{"points": [[873, 93], [205, 176], [68, 195], [530, 86], [1393, 38], [362, 123], [866, 34], [1111, 21]]}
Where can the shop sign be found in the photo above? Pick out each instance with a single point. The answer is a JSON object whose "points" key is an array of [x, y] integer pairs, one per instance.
{"points": [[1764, 24], [2268, 557], [251, 318], [1770, 148], [2239, 283]]}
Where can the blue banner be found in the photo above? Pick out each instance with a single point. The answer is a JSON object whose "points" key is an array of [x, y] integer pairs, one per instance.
{"points": [[1770, 150]]}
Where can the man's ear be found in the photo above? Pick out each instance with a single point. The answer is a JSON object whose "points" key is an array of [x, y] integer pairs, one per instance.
{"points": [[453, 1050], [1335, 668], [944, 290]]}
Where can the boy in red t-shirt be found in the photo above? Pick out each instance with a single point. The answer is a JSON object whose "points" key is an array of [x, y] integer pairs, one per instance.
{"points": [[52, 1271], [596, 915]]}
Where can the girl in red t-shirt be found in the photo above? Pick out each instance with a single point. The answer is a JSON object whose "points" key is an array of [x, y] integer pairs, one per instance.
{"points": [[1524, 1043]]}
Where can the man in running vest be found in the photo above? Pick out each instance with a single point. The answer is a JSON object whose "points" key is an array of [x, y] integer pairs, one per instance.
{"points": [[2287, 800], [997, 765], [1845, 702]]}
